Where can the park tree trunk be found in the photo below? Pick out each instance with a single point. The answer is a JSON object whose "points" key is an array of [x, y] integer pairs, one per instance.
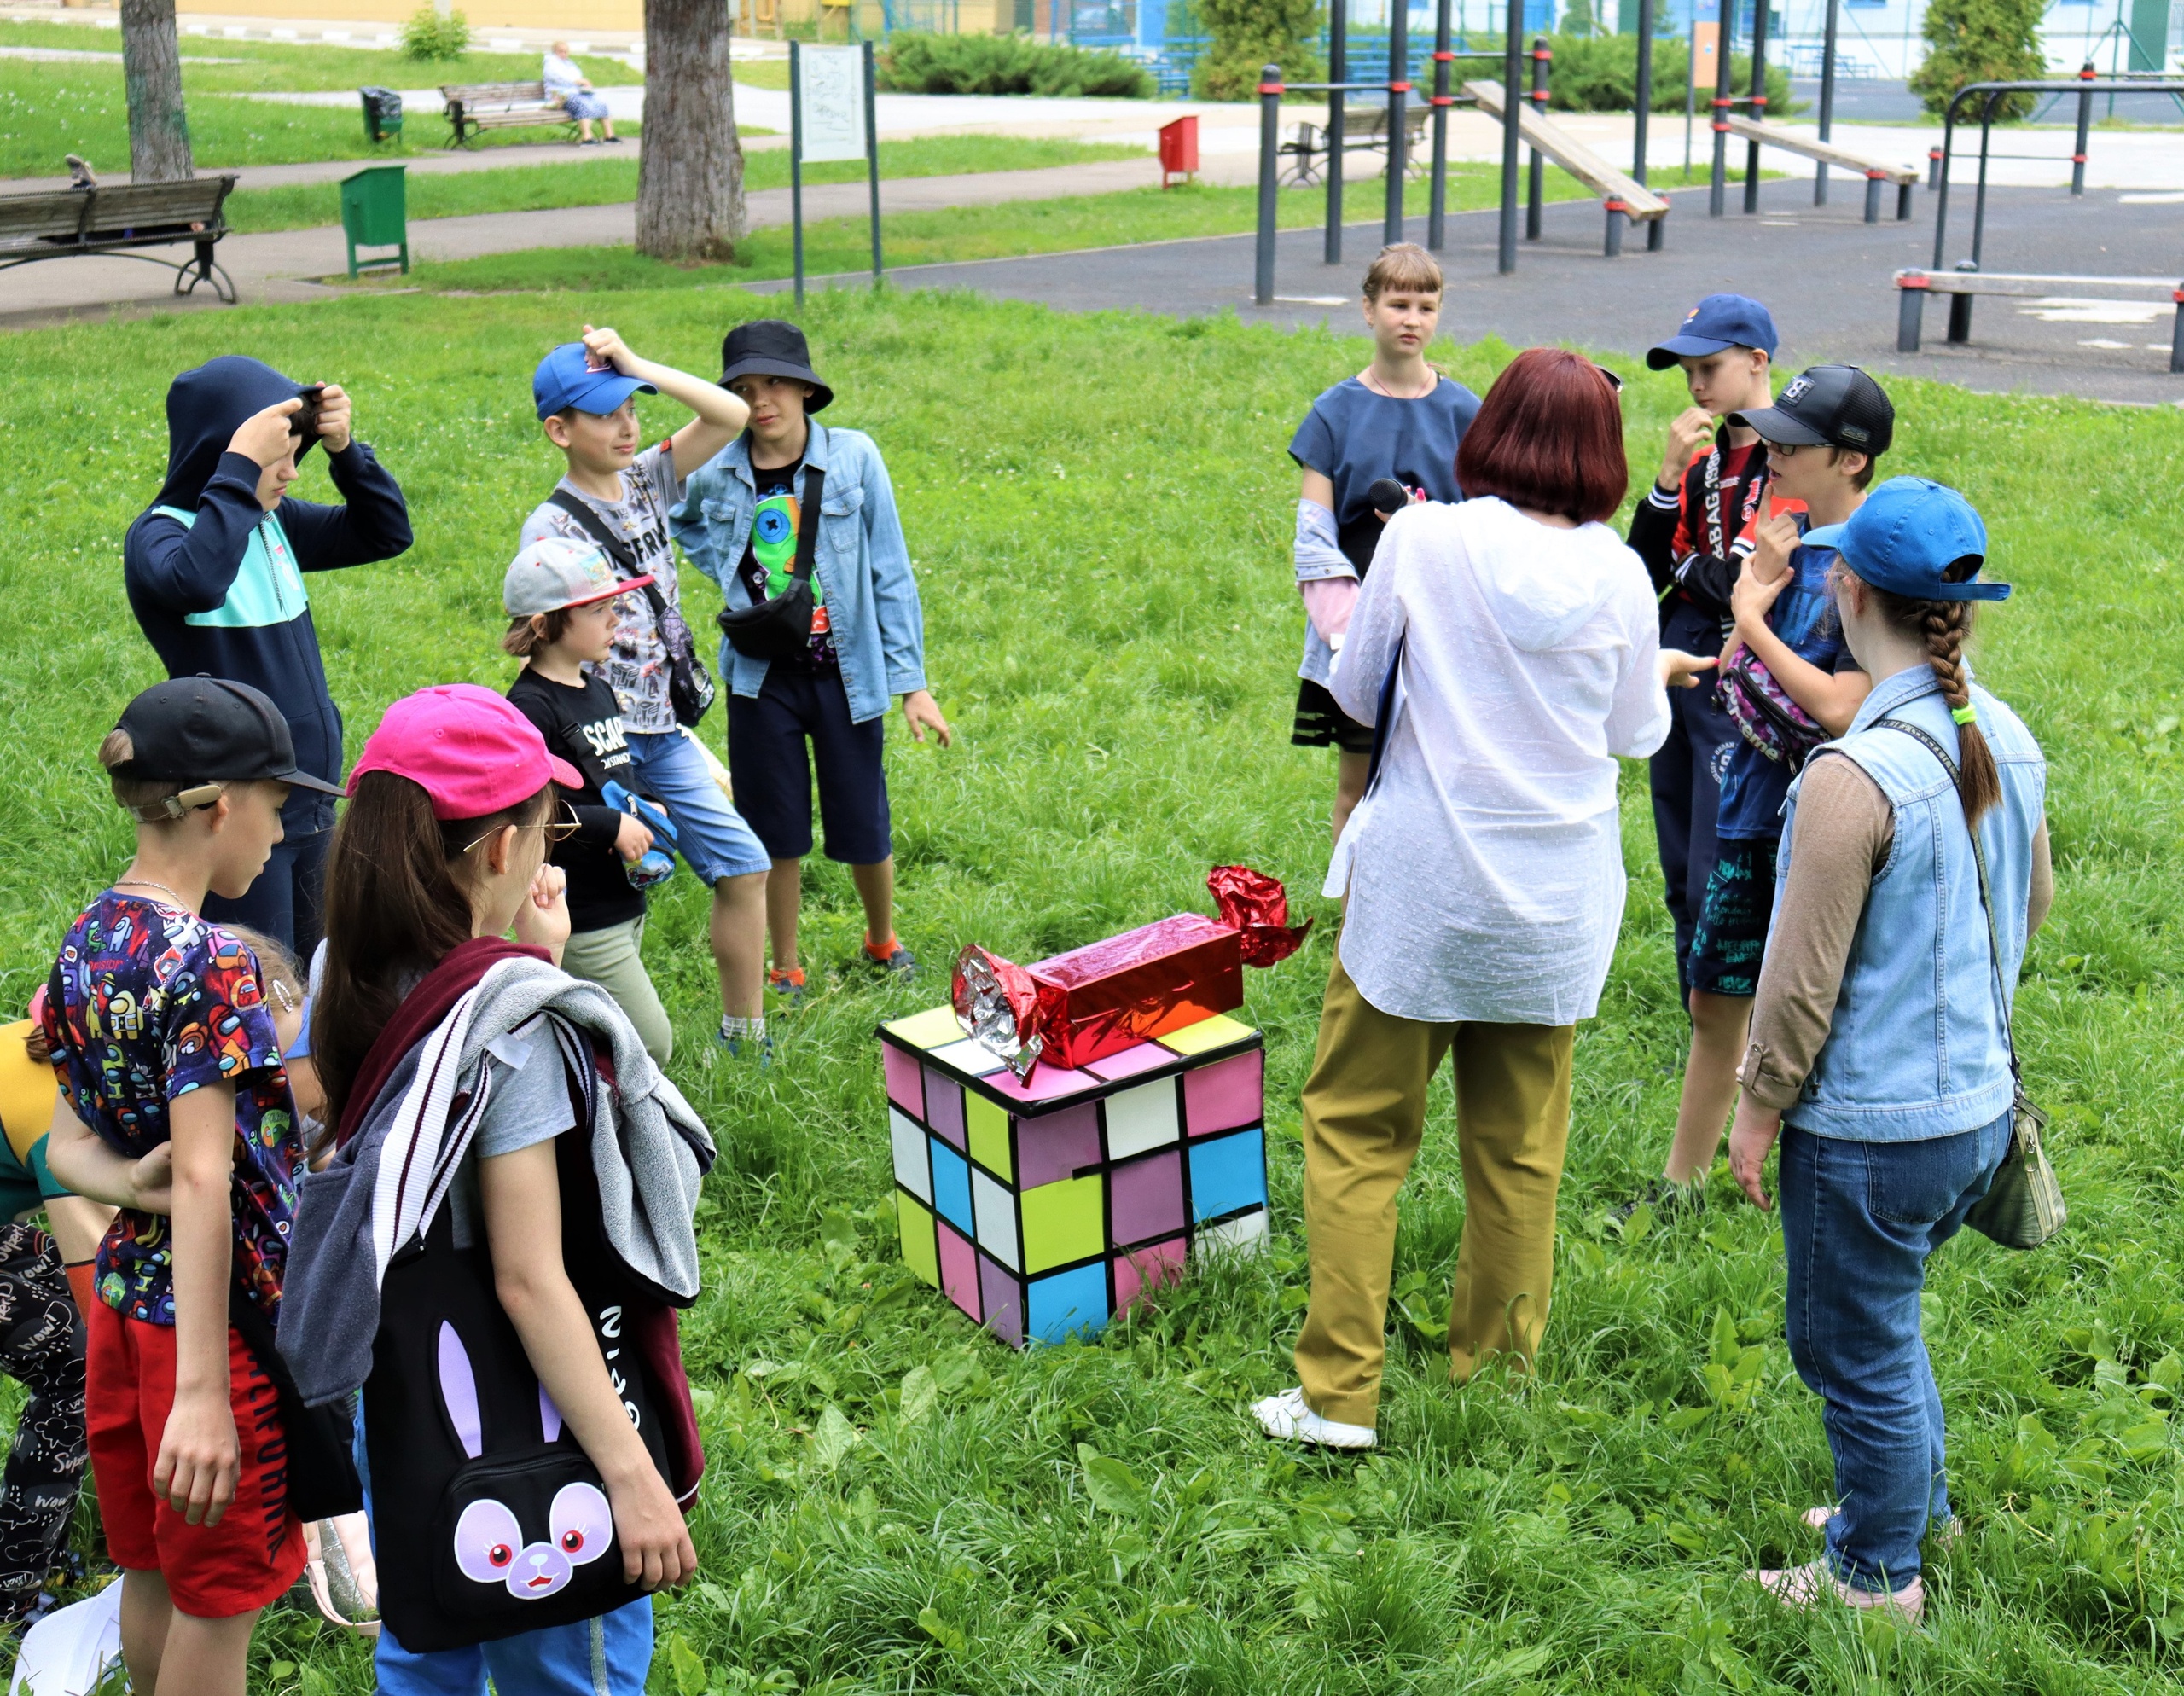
{"points": [[151, 65], [690, 159]]}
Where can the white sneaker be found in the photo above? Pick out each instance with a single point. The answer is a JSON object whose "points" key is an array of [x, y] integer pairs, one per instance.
{"points": [[1288, 1420]]}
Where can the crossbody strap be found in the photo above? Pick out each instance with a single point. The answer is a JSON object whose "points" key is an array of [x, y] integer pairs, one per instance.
{"points": [[1979, 859], [624, 556], [807, 528]]}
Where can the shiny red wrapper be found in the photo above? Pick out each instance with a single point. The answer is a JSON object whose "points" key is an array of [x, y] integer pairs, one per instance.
{"points": [[1106, 997], [1257, 907], [995, 1002]]}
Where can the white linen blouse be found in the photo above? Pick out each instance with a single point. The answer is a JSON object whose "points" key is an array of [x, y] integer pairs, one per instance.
{"points": [[1485, 866]]}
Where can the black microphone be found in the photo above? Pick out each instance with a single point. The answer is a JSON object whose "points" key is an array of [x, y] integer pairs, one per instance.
{"points": [[1387, 497]]}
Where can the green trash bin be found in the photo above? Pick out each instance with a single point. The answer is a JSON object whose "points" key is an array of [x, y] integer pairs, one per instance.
{"points": [[376, 213]]}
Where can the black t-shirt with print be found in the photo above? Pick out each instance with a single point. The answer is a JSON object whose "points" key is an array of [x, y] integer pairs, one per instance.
{"points": [[584, 725], [770, 553]]}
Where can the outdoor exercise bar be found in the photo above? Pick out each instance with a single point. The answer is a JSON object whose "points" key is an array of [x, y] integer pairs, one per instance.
{"points": [[1827, 102], [1513, 94], [1757, 100]]}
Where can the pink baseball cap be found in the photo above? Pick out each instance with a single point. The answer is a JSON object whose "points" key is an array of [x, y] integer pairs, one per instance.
{"points": [[466, 747]]}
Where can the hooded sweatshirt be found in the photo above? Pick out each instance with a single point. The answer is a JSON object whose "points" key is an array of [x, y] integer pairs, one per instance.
{"points": [[1485, 866], [215, 580]]}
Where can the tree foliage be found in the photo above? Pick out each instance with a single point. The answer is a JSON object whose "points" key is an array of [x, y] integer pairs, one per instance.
{"points": [[430, 36], [1980, 41], [1600, 73], [914, 62], [1250, 35]]}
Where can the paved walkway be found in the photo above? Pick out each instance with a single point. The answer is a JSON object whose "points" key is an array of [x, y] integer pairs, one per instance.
{"points": [[1825, 273]]}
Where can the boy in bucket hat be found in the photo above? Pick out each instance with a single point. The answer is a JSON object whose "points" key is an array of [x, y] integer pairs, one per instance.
{"points": [[561, 598], [618, 497], [825, 704], [175, 1108]]}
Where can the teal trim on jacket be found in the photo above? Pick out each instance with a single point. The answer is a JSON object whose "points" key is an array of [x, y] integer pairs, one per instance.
{"points": [[1916, 1047], [267, 589], [863, 563]]}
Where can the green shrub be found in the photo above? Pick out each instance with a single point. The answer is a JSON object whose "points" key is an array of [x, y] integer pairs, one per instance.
{"points": [[918, 63], [1980, 41], [428, 36], [1250, 35], [1600, 73]]}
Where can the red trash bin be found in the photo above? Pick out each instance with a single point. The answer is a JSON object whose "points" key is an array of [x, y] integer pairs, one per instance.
{"points": [[1179, 149]]}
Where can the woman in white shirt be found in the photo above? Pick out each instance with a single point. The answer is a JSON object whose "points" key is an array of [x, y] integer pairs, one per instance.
{"points": [[566, 83], [1511, 643]]}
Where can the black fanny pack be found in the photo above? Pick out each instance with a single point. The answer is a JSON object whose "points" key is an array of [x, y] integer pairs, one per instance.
{"points": [[780, 628], [690, 690]]}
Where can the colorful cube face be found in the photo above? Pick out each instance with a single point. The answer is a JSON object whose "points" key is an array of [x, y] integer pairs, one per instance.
{"points": [[1042, 1208]]}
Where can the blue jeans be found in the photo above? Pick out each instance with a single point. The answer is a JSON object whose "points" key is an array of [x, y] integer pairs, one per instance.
{"points": [[1858, 1221], [714, 841], [609, 1656], [1685, 778]]}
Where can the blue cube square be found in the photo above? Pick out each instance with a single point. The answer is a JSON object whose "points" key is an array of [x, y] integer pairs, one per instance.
{"points": [[1227, 1173]]}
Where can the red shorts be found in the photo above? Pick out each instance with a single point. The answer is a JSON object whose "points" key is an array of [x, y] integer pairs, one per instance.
{"points": [[212, 1571]]}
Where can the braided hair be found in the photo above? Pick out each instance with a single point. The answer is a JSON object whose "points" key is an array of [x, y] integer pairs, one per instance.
{"points": [[1945, 626]]}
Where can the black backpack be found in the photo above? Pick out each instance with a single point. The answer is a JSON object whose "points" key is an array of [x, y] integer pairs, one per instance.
{"points": [[490, 1520]]}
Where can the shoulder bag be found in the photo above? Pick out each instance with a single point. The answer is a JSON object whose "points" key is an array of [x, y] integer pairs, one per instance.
{"points": [[690, 690], [780, 628], [2022, 1206]]}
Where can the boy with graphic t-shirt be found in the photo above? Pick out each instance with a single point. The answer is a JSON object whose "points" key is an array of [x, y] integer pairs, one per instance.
{"points": [[559, 597], [584, 391], [1822, 438], [178, 1113]]}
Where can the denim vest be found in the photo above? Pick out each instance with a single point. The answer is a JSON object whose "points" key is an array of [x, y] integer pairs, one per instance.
{"points": [[862, 564], [1917, 1048]]}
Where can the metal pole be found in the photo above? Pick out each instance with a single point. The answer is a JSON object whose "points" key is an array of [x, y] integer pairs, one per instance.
{"points": [[1269, 138], [2085, 125], [796, 171], [1436, 213], [1940, 179], [1535, 200], [1760, 9], [1644, 101], [1337, 73], [1827, 102], [1717, 194], [1513, 102], [1979, 203], [872, 154], [1398, 88], [1691, 93]]}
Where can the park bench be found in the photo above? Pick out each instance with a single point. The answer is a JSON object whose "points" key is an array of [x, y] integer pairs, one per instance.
{"points": [[1905, 177], [1364, 130], [1912, 286], [62, 223], [473, 106], [1627, 200]]}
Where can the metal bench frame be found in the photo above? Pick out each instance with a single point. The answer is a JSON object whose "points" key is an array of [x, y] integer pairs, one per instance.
{"points": [[1912, 286], [1363, 131], [119, 221], [506, 106]]}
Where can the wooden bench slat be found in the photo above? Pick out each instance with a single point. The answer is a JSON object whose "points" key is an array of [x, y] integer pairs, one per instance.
{"points": [[1596, 173], [2025, 283], [1772, 136]]}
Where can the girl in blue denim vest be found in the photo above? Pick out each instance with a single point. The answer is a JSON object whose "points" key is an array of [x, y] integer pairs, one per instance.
{"points": [[1879, 1052]]}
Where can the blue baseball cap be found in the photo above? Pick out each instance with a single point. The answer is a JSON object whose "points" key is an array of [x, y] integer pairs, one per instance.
{"points": [[565, 377], [1719, 321], [1917, 538]]}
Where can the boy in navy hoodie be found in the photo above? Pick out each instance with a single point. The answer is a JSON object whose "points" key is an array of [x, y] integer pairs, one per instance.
{"points": [[214, 570]]}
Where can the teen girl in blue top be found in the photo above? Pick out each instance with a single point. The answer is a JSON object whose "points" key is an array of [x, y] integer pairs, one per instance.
{"points": [[1879, 1051]]}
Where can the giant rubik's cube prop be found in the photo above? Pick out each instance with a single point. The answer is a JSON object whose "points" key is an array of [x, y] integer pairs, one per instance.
{"points": [[1067, 1135], [1043, 1207]]}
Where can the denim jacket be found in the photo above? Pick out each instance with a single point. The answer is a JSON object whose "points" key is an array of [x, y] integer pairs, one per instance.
{"points": [[862, 564], [1916, 1047]]}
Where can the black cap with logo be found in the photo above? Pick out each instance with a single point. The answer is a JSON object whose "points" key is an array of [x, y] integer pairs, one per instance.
{"points": [[1835, 406], [207, 730]]}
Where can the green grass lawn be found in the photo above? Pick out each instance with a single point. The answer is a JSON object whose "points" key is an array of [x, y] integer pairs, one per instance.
{"points": [[1100, 510], [957, 234], [604, 181]]}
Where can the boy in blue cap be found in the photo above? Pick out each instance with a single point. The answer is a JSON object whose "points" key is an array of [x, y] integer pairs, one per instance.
{"points": [[1694, 530], [618, 497]]}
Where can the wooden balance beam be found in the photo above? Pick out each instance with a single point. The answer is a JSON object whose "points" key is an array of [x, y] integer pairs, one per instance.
{"points": [[1627, 200], [1912, 286], [1906, 177]]}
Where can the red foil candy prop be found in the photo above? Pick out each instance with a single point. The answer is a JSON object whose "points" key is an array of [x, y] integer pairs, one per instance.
{"points": [[1257, 906], [1106, 997]]}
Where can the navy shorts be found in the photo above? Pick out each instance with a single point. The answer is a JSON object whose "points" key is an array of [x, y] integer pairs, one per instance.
{"points": [[771, 767], [1730, 938]]}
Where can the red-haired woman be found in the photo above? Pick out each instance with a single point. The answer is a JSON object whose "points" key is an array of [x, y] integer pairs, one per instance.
{"points": [[1507, 651]]}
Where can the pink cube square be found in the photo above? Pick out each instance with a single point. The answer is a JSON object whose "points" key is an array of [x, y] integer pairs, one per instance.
{"points": [[1052, 1147], [1147, 1269], [1045, 1083], [905, 1089], [1226, 1095], [959, 1270], [1146, 1198], [1130, 1061], [944, 1106]]}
